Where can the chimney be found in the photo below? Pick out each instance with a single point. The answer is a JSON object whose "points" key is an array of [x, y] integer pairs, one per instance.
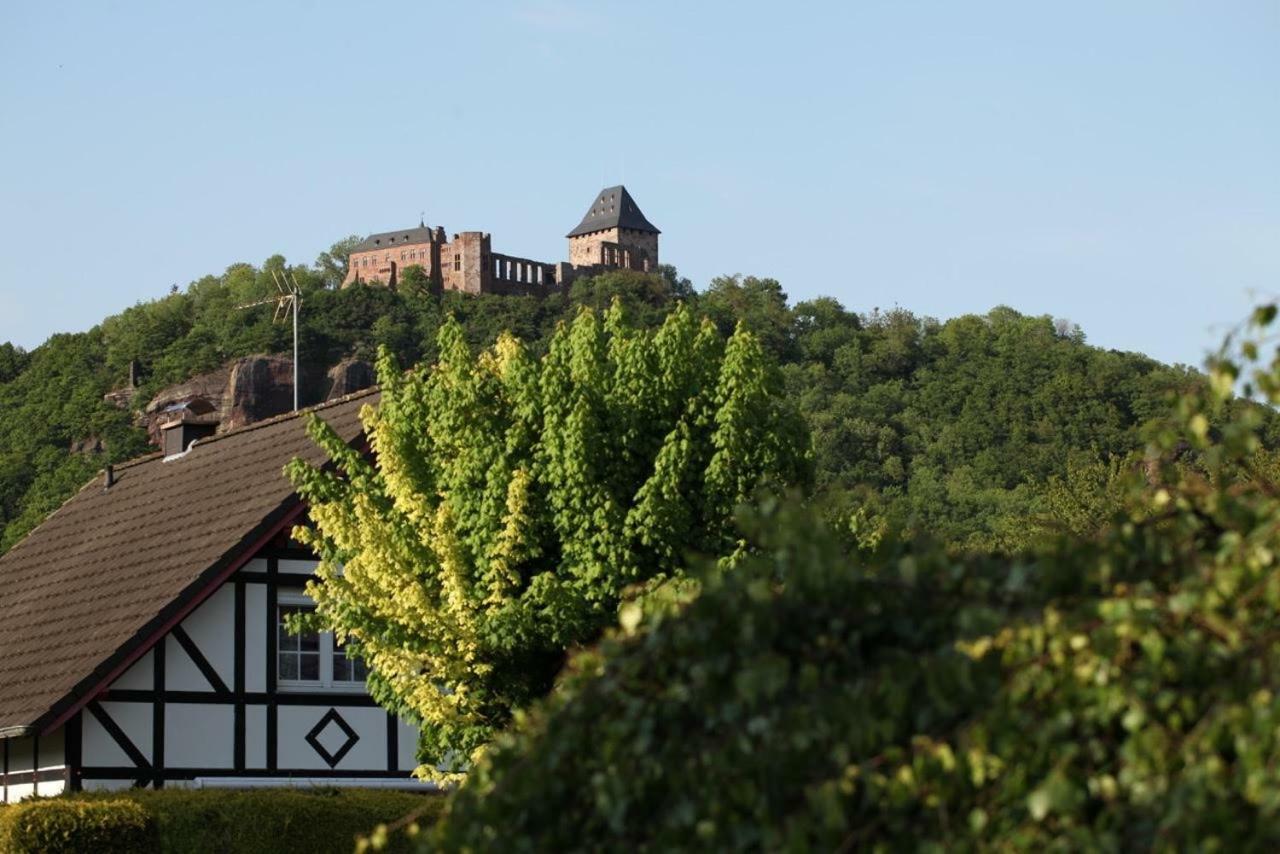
{"points": [[178, 434], [108, 477]]}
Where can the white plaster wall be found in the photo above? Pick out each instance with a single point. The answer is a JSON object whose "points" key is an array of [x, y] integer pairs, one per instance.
{"points": [[369, 753], [255, 637], [105, 785], [99, 748], [255, 736], [297, 567], [49, 788], [52, 751], [199, 735], [17, 793], [138, 677], [212, 627], [258, 564], [21, 757], [180, 672], [408, 744]]}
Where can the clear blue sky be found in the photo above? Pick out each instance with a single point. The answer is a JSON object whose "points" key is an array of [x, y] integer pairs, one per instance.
{"points": [[1117, 164]]}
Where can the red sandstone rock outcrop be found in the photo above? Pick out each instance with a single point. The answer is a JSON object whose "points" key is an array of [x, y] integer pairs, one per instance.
{"points": [[348, 376], [208, 388], [247, 390], [258, 388]]}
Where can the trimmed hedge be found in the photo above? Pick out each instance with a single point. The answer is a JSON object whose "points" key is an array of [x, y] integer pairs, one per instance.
{"points": [[58, 826], [214, 821]]}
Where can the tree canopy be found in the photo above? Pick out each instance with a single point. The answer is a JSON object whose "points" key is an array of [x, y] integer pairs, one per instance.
{"points": [[1105, 691], [954, 427], [511, 500]]}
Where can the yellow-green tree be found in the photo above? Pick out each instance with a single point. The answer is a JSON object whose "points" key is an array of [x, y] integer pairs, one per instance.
{"points": [[511, 500], [1112, 690]]}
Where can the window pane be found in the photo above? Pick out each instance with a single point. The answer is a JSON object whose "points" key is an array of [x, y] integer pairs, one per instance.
{"points": [[310, 665], [288, 666], [347, 669], [308, 641]]}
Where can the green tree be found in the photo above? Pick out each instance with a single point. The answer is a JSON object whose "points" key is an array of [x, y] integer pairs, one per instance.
{"points": [[1110, 692], [12, 361], [759, 304], [512, 501], [333, 264]]}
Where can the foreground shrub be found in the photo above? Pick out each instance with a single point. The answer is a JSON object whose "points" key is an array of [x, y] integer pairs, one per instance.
{"points": [[709, 728], [236, 821], [1109, 693], [205, 821], [58, 826]]}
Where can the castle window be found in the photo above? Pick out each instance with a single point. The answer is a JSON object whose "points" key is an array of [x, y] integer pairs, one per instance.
{"points": [[457, 262]]}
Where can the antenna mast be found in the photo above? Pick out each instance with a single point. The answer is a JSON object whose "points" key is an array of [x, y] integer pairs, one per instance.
{"points": [[287, 301]]}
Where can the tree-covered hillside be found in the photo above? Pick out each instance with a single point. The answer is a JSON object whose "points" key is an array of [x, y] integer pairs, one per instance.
{"points": [[958, 427]]}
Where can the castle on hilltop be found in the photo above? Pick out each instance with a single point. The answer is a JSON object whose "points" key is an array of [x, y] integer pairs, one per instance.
{"points": [[613, 235]]}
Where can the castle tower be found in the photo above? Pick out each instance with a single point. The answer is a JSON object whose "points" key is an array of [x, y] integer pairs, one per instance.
{"points": [[614, 234]]}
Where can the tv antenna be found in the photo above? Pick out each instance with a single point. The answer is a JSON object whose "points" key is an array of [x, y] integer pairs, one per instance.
{"points": [[287, 301]]}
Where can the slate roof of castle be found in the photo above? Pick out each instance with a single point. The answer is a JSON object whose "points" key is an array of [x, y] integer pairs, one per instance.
{"points": [[613, 207], [112, 565], [388, 239]]}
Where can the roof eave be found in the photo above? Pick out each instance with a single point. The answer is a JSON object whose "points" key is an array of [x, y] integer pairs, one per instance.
{"points": [[285, 514], [581, 231]]}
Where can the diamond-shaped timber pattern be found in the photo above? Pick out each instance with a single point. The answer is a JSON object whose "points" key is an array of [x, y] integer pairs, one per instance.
{"points": [[313, 737]]}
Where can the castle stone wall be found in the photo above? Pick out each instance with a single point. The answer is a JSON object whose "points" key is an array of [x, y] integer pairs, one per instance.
{"points": [[467, 262]]}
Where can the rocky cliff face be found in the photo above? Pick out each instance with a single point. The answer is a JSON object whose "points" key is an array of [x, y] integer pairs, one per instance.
{"points": [[260, 387], [348, 376], [209, 388], [251, 389]]}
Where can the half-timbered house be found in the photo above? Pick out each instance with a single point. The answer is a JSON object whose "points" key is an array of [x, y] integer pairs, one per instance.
{"points": [[141, 636]]}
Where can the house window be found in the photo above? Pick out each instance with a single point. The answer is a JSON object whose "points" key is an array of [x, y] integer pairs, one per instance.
{"points": [[312, 660], [299, 655]]}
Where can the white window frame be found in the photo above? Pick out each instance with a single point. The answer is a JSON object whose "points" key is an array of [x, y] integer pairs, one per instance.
{"points": [[326, 682]]}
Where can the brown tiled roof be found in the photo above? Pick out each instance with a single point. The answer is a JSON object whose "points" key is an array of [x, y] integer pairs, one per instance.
{"points": [[104, 571]]}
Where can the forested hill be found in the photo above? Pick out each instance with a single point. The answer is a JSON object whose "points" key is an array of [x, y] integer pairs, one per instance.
{"points": [[966, 429]]}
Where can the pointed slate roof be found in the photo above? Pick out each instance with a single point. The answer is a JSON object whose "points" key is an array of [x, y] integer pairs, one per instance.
{"points": [[613, 207], [112, 565]]}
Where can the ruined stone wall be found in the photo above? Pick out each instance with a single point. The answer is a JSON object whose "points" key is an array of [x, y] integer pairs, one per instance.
{"points": [[465, 259], [512, 275], [643, 246], [467, 262]]}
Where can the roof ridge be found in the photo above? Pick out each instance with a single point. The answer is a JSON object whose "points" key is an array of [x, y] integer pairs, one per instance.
{"points": [[285, 416], [266, 422], [159, 455]]}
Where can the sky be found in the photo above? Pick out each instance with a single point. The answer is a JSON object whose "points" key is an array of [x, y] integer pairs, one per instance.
{"points": [[1113, 164]]}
